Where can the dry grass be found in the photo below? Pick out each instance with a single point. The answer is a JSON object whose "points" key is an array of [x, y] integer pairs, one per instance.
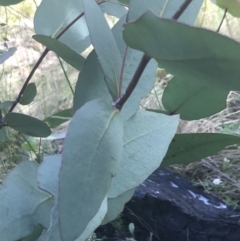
{"points": [[219, 174]]}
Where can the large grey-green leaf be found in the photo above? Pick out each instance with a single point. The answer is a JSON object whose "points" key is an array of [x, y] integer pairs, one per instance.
{"points": [[165, 8], [147, 79], [104, 45], [35, 234], [27, 124], [187, 148], [192, 100], [53, 233], [116, 206], [29, 94], [48, 180], [113, 9], [138, 7], [9, 2], [147, 136], [91, 156], [95, 222], [196, 55], [48, 172], [91, 84], [62, 50], [23, 204], [53, 16], [7, 54]]}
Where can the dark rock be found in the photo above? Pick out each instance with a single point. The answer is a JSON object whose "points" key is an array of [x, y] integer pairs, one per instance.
{"points": [[169, 207]]}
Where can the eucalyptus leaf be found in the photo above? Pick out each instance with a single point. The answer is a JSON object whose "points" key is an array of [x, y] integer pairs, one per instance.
{"points": [[207, 61], [53, 233], [35, 234], [6, 105], [29, 94], [165, 8], [91, 158], [232, 6], [113, 9], [191, 100], [59, 118], [62, 50], [187, 148], [27, 124], [9, 2], [95, 222], [143, 132], [147, 79], [47, 175], [7, 54], [19, 216], [138, 7], [48, 180], [53, 16], [104, 45], [91, 85], [123, 2], [116, 206], [157, 111]]}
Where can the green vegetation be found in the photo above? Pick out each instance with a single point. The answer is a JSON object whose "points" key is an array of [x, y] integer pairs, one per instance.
{"points": [[111, 145]]}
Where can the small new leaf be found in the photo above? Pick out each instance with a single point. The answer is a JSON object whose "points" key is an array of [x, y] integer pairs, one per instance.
{"points": [[29, 94], [59, 118]]}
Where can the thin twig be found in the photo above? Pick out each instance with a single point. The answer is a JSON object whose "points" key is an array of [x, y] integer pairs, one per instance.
{"points": [[181, 10], [40, 60], [122, 70], [66, 76], [143, 63], [29, 144], [69, 25], [224, 15], [28, 79]]}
